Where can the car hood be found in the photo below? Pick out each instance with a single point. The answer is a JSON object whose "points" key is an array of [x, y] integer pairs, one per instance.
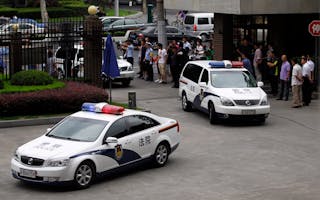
{"points": [[123, 63], [51, 148], [241, 93]]}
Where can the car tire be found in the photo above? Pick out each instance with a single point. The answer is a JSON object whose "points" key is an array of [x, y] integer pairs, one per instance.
{"points": [[186, 105], [126, 82], [161, 154], [212, 114], [204, 37], [84, 175]]}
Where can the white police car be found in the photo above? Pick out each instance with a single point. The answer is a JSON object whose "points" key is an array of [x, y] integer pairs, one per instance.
{"points": [[90, 142], [223, 89]]}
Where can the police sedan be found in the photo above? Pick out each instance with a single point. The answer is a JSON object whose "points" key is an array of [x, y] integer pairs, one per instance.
{"points": [[93, 141]]}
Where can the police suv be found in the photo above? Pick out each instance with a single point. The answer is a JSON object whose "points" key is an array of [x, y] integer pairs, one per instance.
{"points": [[223, 89], [90, 142]]}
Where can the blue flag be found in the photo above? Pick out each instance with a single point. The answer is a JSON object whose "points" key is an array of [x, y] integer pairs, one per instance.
{"points": [[110, 67]]}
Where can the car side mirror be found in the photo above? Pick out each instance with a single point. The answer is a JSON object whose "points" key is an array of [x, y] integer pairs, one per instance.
{"points": [[260, 84], [111, 140], [203, 84]]}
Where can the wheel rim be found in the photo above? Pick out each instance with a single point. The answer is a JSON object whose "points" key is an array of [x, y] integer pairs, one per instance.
{"points": [[162, 154], [84, 175], [184, 102], [203, 37]]}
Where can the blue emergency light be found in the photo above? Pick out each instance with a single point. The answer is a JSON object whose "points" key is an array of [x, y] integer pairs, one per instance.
{"points": [[217, 64], [102, 108], [91, 107]]}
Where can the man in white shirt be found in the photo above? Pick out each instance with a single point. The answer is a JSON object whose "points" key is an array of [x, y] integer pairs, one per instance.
{"points": [[311, 64], [162, 63], [307, 81], [296, 83]]}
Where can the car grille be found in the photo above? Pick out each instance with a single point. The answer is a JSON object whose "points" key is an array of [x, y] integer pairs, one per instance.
{"points": [[31, 161], [123, 69], [247, 102]]}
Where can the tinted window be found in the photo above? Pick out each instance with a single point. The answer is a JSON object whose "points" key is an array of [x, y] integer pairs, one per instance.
{"points": [[138, 123], [189, 20], [211, 20], [192, 72], [204, 77], [118, 23], [130, 22], [172, 30], [203, 20], [118, 129]]}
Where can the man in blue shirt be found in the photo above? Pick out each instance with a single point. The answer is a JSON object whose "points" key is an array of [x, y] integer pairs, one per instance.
{"points": [[129, 48], [247, 63], [148, 61]]}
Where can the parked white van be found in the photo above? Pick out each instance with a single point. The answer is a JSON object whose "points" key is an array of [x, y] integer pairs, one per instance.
{"points": [[200, 24]]}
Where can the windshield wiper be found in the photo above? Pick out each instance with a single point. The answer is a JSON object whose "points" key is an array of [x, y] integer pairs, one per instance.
{"points": [[64, 138]]}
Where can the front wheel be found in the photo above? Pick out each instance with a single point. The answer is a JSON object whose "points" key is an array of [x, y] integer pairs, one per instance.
{"points": [[186, 105], [161, 155], [84, 174], [212, 114]]}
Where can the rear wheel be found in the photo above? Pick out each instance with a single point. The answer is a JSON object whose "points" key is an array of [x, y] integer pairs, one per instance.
{"points": [[84, 175], [186, 105], [212, 113], [161, 154], [204, 37]]}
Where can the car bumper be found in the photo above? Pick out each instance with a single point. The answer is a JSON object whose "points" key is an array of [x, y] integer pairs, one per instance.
{"points": [[50, 175], [249, 112], [126, 75]]}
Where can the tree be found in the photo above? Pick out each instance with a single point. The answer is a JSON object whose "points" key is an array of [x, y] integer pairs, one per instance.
{"points": [[44, 12], [162, 37]]}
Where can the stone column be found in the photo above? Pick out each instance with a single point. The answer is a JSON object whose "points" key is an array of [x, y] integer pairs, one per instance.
{"points": [[92, 50], [15, 53]]}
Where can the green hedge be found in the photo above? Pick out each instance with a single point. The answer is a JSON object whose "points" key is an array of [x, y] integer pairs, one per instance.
{"points": [[31, 77]]}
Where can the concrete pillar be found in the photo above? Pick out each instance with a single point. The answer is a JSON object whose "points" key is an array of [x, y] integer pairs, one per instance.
{"points": [[92, 50], [223, 36]]}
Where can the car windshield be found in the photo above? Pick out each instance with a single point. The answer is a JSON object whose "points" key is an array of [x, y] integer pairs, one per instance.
{"points": [[78, 129], [232, 79]]}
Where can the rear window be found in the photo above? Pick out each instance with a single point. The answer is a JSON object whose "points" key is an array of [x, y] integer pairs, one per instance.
{"points": [[203, 20], [189, 20]]}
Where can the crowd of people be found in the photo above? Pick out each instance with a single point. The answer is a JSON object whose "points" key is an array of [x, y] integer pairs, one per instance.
{"points": [[295, 73], [166, 61]]}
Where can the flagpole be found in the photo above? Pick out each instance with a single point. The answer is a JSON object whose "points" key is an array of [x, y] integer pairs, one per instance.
{"points": [[110, 89]]}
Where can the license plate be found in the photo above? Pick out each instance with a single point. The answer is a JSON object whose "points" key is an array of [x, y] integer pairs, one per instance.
{"points": [[28, 173], [248, 112]]}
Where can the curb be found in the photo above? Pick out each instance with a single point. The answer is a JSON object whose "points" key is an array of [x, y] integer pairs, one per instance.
{"points": [[30, 122]]}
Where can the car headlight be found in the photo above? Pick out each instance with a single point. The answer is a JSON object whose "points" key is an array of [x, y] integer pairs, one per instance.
{"points": [[226, 102], [15, 155], [57, 163], [264, 101]]}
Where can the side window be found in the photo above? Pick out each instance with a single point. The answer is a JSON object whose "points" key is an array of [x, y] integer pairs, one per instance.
{"points": [[138, 123], [203, 20], [135, 124], [129, 22], [118, 129], [148, 122], [192, 72], [204, 77], [189, 20], [211, 20]]}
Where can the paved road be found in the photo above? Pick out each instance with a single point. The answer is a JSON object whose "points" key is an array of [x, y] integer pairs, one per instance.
{"points": [[278, 160]]}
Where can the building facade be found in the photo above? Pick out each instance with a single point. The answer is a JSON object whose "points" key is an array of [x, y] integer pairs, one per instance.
{"points": [[284, 24]]}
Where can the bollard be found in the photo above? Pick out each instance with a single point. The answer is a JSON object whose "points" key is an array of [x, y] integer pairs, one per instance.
{"points": [[132, 102]]}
